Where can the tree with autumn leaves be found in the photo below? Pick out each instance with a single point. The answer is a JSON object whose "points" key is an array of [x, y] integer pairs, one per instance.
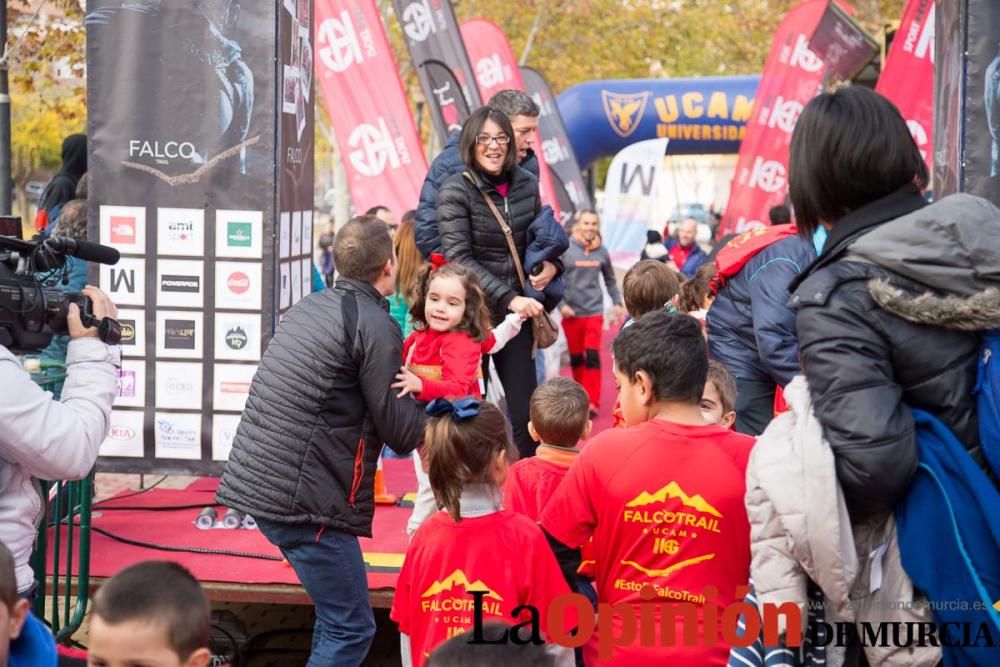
{"points": [[46, 57]]}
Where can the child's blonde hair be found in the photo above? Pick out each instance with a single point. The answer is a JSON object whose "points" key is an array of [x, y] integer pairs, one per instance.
{"points": [[462, 453]]}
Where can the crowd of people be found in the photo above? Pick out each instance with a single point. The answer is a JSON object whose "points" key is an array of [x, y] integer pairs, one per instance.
{"points": [[521, 504], [774, 399]]}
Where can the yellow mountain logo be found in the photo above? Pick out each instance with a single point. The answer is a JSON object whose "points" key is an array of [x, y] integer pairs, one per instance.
{"points": [[458, 578], [624, 110], [673, 490]]}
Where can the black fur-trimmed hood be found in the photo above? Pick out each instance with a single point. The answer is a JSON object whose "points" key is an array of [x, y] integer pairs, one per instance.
{"points": [[978, 312], [947, 258]]}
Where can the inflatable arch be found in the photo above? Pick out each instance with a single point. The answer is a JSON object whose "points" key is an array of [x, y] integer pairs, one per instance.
{"points": [[700, 116]]}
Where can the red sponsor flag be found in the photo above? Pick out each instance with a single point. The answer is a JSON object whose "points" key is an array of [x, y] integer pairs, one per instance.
{"points": [[496, 69], [367, 107], [792, 76], [908, 76]]}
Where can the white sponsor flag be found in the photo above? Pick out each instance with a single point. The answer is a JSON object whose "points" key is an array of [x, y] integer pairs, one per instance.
{"points": [[629, 199]]}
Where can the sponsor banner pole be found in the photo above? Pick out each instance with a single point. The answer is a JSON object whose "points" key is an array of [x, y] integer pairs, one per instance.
{"points": [[908, 75], [629, 199], [792, 76], [367, 106], [556, 147], [446, 77], [182, 182], [496, 69]]}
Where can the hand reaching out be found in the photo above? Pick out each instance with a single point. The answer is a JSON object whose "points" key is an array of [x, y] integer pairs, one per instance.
{"points": [[408, 383]]}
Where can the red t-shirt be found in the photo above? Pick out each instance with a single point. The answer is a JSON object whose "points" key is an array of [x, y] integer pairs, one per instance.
{"points": [[448, 363], [664, 503], [504, 553], [531, 482]]}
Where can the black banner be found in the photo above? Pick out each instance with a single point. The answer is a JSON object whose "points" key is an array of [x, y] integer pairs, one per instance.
{"points": [[183, 139], [435, 45], [967, 99], [558, 152], [842, 44]]}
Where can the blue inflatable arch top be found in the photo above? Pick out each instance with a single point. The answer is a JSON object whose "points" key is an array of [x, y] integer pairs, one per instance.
{"points": [[700, 116]]}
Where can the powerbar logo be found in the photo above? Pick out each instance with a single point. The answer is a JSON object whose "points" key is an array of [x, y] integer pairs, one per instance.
{"points": [[169, 283], [235, 387]]}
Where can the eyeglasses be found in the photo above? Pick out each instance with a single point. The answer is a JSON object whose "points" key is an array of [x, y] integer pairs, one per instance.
{"points": [[486, 140]]}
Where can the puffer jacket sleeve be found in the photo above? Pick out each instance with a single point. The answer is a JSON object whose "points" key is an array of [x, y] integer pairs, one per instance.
{"points": [[399, 421], [454, 216], [59, 439], [775, 572], [774, 321], [425, 230], [848, 362]]}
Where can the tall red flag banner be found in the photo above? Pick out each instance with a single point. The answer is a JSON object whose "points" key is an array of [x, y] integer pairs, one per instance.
{"points": [[792, 76], [496, 69], [908, 75], [367, 107], [435, 45]]}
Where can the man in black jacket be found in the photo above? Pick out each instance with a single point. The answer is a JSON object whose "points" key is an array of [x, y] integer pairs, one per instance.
{"points": [[320, 407]]}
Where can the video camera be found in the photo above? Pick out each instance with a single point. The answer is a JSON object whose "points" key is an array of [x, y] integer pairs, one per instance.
{"points": [[31, 312]]}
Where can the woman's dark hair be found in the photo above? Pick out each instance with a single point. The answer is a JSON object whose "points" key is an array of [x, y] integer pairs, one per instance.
{"points": [[474, 125], [476, 318], [463, 453], [849, 148]]}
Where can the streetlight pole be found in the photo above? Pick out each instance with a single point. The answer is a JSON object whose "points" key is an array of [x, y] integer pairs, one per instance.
{"points": [[5, 157]]}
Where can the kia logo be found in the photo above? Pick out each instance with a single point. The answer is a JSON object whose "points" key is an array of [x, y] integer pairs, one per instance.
{"points": [[121, 433], [238, 282]]}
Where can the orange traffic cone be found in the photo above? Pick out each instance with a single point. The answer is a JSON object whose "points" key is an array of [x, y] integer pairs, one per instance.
{"points": [[382, 496]]}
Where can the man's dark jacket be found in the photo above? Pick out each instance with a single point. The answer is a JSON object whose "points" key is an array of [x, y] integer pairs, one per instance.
{"points": [[319, 409], [751, 328], [445, 165], [890, 316], [471, 235]]}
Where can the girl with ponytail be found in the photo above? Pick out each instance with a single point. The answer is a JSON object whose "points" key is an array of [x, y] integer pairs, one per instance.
{"points": [[472, 543]]}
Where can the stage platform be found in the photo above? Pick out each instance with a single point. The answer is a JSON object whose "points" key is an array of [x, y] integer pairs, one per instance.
{"points": [[127, 526], [165, 518]]}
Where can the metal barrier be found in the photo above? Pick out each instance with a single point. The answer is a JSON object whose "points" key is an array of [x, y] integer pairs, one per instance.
{"points": [[67, 505]]}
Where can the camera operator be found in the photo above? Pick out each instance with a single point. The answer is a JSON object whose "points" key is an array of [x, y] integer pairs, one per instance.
{"points": [[41, 438]]}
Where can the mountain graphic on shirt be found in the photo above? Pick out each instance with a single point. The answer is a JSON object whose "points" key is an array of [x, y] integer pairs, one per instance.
{"points": [[458, 578], [674, 490]]}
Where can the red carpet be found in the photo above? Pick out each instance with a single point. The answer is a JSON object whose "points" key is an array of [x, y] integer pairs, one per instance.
{"points": [[175, 528]]}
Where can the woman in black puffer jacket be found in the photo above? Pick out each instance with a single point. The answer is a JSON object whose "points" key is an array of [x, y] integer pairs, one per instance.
{"points": [[889, 315], [471, 235]]}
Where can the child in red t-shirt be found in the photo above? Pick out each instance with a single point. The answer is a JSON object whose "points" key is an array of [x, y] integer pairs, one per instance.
{"points": [[559, 421], [473, 544], [443, 355], [662, 498]]}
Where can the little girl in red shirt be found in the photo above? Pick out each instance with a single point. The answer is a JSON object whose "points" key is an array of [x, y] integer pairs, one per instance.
{"points": [[472, 544], [443, 356]]}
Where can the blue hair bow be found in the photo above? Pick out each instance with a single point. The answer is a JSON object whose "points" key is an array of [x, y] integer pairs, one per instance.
{"points": [[460, 410]]}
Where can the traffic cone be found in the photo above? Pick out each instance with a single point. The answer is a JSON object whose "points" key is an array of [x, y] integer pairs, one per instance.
{"points": [[382, 496]]}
